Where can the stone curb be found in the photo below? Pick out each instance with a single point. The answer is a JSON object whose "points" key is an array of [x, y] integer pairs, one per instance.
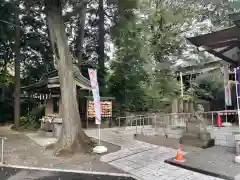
{"points": [[66, 170]]}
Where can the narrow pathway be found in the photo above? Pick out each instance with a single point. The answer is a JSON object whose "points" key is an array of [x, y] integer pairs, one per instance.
{"points": [[143, 160]]}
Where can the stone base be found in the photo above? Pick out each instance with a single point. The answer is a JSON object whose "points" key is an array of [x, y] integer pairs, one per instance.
{"points": [[237, 159], [100, 149], [196, 142]]}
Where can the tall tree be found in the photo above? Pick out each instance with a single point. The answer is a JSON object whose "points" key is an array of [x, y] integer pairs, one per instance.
{"points": [[17, 94], [80, 35], [101, 47], [73, 137], [128, 64]]}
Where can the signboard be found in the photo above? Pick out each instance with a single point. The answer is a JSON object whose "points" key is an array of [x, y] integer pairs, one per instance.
{"points": [[228, 97], [106, 109], [96, 97]]}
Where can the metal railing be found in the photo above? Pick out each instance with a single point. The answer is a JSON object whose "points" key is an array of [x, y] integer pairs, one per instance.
{"points": [[2, 152], [171, 120], [129, 121], [143, 121], [180, 119]]}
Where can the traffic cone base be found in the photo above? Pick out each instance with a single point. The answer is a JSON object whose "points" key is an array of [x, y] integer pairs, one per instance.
{"points": [[179, 157]]}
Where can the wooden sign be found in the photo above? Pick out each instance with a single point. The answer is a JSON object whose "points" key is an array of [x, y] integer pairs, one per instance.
{"points": [[106, 109]]}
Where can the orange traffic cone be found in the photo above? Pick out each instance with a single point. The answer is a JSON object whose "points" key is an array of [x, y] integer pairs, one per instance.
{"points": [[218, 121], [179, 156]]}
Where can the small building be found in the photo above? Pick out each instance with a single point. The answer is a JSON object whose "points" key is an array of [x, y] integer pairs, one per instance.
{"points": [[48, 89]]}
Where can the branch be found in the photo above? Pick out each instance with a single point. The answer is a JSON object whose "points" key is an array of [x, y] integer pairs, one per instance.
{"points": [[106, 14], [80, 6]]}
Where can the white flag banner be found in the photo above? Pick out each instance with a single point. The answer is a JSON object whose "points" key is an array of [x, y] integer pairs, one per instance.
{"points": [[96, 97]]}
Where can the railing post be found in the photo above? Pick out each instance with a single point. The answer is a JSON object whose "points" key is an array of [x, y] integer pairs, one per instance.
{"points": [[131, 120], [155, 124], [2, 158], [212, 120], [136, 125], [119, 124]]}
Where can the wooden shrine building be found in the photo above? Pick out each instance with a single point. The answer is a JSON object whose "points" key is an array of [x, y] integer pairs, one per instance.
{"points": [[48, 88]]}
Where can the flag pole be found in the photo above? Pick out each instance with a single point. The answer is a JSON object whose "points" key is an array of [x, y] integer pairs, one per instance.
{"points": [[236, 84], [97, 107], [99, 135], [181, 81]]}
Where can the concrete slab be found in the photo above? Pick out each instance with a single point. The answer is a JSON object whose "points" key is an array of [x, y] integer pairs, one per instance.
{"points": [[40, 140], [215, 161]]}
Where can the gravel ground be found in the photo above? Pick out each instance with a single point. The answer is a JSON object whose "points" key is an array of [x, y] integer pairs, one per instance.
{"points": [[22, 151]]}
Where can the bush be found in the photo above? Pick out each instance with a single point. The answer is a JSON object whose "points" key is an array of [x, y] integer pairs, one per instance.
{"points": [[32, 119]]}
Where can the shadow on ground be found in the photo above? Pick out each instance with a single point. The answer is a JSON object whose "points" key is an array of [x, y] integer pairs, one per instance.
{"points": [[215, 161], [11, 173]]}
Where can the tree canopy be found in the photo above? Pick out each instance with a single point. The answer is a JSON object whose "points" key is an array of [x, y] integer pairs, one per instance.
{"points": [[136, 46]]}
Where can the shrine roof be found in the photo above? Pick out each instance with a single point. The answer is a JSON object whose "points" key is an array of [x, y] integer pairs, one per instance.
{"points": [[223, 44], [51, 80], [199, 68], [235, 17]]}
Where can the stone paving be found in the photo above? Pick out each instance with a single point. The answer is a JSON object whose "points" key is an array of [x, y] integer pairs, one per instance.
{"points": [[143, 160]]}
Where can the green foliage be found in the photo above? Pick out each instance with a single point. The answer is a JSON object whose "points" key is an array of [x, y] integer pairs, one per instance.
{"points": [[128, 64], [148, 40], [162, 90], [31, 120], [162, 31], [210, 87]]}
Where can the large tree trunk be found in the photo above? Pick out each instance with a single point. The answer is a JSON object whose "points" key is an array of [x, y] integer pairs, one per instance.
{"points": [[17, 70], [73, 137]]}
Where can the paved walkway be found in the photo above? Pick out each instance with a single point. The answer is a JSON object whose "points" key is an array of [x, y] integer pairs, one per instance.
{"points": [[143, 160]]}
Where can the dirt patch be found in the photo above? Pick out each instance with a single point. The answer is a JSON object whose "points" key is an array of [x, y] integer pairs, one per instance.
{"points": [[22, 151], [167, 142]]}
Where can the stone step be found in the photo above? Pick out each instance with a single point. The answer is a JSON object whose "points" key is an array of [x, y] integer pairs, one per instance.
{"points": [[45, 133], [197, 142]]}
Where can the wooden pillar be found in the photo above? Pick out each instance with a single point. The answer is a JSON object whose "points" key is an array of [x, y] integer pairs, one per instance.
{"points": [[175, 106], [191, 107], [185, 107], [49, 107], [180, 106]]}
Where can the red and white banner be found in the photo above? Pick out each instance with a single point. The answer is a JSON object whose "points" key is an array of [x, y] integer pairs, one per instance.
{"points": [[96, 96], [228, 96]]}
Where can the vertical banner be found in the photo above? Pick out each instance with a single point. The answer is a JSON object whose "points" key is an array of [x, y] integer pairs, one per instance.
{"points": [[238, 81], [227, 89], [228, 97], [96, 97]]}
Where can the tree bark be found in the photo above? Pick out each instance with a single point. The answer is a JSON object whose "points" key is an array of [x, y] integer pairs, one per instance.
{"points": [[80, 35], [4, 79], [17, 70], [101, 46], [73, 137]]}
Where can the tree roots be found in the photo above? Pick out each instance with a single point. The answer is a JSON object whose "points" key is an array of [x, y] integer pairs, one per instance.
{"points": [[64, 147]]}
